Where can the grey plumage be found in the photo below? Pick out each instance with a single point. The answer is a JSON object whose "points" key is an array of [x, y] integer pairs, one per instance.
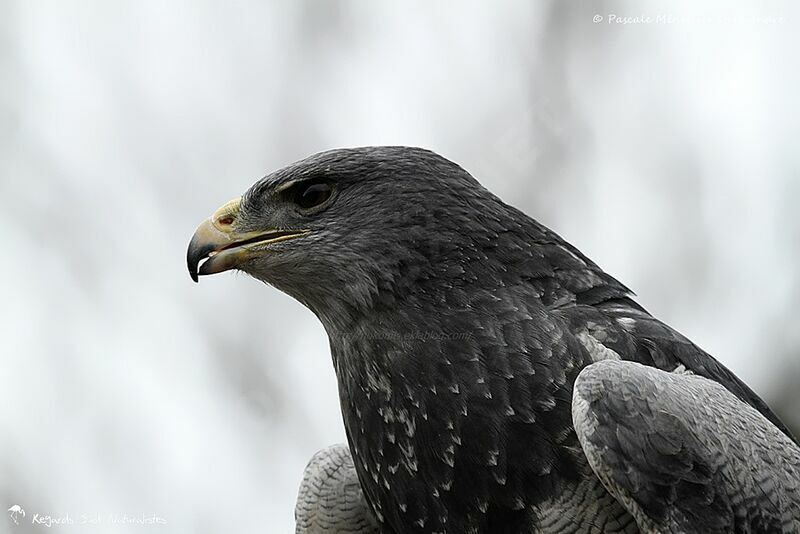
{"points": [[683, 454], [458, 326], [330, 500], [678, 450]]}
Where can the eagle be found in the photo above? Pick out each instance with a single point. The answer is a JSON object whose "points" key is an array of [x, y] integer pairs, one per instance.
{"points": [[491, 377]]}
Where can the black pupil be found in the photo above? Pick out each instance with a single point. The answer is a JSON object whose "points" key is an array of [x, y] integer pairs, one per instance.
{"points": [[314, 195]]}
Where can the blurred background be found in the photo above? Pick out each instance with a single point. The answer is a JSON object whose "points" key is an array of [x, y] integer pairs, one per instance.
{"points": [[664, 145]]}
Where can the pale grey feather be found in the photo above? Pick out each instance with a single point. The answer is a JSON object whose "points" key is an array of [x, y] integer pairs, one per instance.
{"points": [[683, 454], [330, 500]]}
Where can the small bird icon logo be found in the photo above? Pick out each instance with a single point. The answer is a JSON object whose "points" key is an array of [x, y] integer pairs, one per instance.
{"points": [[15, 512]]}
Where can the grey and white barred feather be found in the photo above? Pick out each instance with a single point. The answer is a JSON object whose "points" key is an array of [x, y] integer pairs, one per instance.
{"points": [[330, 500], [683, 454]]}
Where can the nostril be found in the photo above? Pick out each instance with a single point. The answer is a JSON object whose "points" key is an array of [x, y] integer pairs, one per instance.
{"points": [[227, 220]]}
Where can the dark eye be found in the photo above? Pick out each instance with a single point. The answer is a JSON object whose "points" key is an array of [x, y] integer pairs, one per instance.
{"points": [[308, 196]]}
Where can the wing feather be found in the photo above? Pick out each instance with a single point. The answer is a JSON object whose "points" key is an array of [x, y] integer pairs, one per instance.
{"points": [[684, 454], [330, 500]]}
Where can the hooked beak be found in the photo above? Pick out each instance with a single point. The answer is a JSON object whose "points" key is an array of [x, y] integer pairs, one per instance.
{"points": [[223, 248]]}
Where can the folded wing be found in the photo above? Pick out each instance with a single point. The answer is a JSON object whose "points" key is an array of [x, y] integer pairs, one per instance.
{"points": [[330, 500], [683, 454]]}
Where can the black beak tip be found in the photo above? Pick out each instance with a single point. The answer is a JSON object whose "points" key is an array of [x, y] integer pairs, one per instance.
{"points": [[194, 256]]}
